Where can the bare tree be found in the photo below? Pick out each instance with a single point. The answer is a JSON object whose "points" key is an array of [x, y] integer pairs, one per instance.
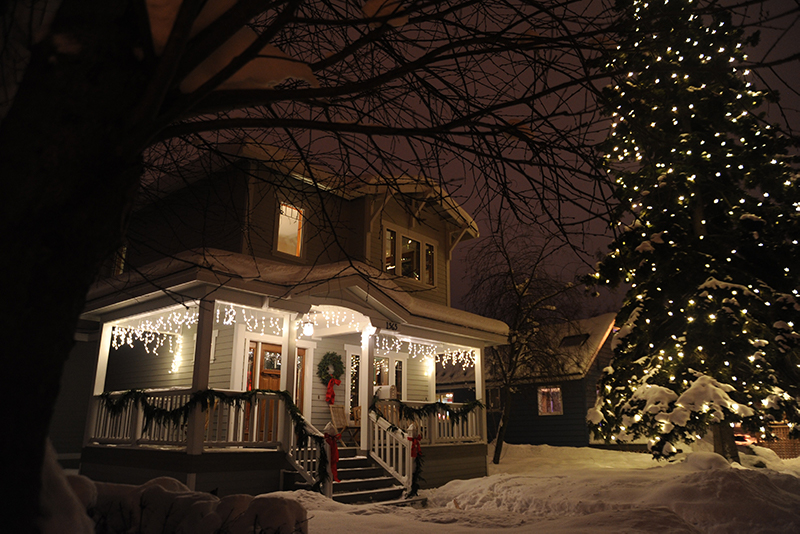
{"points": [[512, 279], [494, 97]]}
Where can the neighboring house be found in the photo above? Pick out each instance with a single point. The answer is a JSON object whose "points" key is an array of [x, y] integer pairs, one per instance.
{"points": [[244, 279], [546, 410]]}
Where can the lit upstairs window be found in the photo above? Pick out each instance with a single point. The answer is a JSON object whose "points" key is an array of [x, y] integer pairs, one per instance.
{"points": [[417, 257], [290, 230]]}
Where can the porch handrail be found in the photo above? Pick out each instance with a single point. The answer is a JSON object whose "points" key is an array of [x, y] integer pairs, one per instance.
{"points": [[305, 457], [391, 449]]}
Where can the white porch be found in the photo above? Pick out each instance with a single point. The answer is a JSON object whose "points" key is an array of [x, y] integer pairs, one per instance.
{"points": [[227, 345]]}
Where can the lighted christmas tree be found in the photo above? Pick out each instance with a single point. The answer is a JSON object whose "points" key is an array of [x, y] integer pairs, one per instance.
{"points": [[707, 238]]}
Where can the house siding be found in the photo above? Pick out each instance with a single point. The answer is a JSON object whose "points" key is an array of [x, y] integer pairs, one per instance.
{"points": [[320, 413], [209, 214], [444, 463], [417, 383], [323, 241], [219, 376], [567, 429], [136, 368]]}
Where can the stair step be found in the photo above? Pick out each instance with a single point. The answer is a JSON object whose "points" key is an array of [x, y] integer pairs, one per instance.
{"points": [[349, 473], [377, 495], [357, 461], [364, 484]]}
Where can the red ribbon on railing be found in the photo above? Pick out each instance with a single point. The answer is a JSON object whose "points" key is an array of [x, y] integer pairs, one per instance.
{"points": [[330, 396], [416, 449], [334, 458]]}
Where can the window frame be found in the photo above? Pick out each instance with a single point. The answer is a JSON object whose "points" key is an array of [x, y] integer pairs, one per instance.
{"points": [[301, 246], [539, 397], [425, 243]]}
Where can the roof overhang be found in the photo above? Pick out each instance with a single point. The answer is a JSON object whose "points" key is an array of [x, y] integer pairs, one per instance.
{"points": [[241, 279]]}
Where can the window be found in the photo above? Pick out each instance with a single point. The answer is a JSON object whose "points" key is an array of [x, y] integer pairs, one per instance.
{"points": [[417, 257], [574, 341], [290, 230], [389, 250], [411, 263], [430, 261], [550, 400]]}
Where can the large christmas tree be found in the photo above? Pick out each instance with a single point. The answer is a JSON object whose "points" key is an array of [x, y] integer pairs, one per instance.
{"points": [[707, 238]]}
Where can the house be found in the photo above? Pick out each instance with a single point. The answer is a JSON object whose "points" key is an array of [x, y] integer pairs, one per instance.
{"points": [[546, 409], [240, 277]]}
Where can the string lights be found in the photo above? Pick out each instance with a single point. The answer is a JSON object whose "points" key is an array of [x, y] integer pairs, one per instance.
{"points": [[706, 237]]}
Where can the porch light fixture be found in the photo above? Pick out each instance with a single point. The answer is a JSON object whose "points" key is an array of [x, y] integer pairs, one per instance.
{"points": [[308, 329]]}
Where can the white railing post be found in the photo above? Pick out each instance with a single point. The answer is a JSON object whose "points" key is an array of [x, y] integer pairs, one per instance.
{"points": [[136, 423], [91, 420]]}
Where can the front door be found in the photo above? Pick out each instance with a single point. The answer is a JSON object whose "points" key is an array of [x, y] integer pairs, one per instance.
{"points": [[263, 372]]}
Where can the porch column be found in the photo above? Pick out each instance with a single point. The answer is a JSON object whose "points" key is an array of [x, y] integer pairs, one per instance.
{"points": [[200, 371], [102, 359], [289, 357], [99, 380], [369, 339], [480, 391], [288, 380]]}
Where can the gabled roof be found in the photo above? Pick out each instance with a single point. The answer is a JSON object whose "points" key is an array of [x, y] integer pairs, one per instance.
{"points": [[581, 342]]}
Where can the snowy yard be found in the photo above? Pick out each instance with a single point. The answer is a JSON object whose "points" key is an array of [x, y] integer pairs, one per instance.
{"points": [[534, 489], [558, 489]]}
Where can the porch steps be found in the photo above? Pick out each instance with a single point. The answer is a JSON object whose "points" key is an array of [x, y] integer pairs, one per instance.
{"points": [[362, 480]]}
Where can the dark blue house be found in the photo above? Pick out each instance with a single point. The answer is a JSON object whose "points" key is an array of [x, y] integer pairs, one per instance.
{"points": [[547, 410]]}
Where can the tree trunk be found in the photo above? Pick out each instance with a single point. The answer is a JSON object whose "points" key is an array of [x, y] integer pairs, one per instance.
{"points": [[724, 444], [501, 430], [67, 187]]}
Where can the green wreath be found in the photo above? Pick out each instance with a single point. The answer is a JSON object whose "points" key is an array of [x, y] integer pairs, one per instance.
{"points": [[330, 359]]}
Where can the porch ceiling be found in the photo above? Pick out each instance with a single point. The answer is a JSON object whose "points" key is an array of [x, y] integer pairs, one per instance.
{"points": [[222, 275]]}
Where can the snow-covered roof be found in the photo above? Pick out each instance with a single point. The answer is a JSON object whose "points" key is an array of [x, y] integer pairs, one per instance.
{"points": [[581, 342], [351, 284]]}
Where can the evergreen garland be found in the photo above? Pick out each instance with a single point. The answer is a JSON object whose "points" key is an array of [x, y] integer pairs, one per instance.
{"points": [[416, 476], [205, 399], [330, 359], [456, 415]]}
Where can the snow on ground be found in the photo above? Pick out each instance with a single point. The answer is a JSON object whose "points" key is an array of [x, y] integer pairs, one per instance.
{"points": [[567, 490]]}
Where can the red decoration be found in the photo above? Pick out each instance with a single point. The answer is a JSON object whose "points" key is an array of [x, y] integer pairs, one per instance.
{"points": [[416, 449], [334, 459], [330, 396]]}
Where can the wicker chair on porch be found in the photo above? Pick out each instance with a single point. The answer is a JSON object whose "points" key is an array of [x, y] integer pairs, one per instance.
{"points": [[342, 425]]}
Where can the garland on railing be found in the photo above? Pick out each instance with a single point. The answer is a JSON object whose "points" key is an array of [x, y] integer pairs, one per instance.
{"points": [[205, 399], [405, 411], [416, 475]]}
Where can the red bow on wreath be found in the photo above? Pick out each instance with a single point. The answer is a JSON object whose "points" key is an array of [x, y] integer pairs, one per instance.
{"points": [[416, 449], [334, 459], [330, 395]]}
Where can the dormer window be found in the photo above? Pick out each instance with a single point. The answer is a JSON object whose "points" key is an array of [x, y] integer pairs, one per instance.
{"points": [[417, 257], [290, 230]]}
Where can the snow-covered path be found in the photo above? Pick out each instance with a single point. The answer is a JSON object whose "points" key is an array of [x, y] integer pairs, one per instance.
{"points": [[556, 489]]}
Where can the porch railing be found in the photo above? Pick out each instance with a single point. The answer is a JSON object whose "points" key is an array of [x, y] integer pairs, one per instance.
{"points": [[391, 448], [263, 422], [243, 424], [438, 428]]}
